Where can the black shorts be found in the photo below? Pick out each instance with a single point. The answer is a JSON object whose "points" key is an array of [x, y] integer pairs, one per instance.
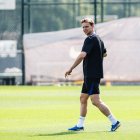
{"points": [[91, 86]]}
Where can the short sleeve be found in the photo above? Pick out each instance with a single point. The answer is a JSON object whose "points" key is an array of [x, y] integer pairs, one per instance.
{"points": [[103, 47], [88, 45]]}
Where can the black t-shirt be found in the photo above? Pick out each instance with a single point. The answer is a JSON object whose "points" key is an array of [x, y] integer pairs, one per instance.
{"points": [[93, 62]]}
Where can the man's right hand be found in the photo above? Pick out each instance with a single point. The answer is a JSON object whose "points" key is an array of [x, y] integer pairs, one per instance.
{"points": [[68, 73]]}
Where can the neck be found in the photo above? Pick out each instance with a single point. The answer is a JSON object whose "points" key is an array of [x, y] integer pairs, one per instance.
{"points": [[90, 33]]}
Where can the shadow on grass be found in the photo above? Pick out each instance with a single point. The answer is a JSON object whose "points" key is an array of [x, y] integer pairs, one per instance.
{"points": [[57, 134], [68, 133]]}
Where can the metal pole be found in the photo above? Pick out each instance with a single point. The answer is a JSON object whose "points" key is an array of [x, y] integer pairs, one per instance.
{"points": [[102, 10], [125, 9], [95, 11], [29, 15], [74, 15], [79, 7], [22, 33], [129, 8]]}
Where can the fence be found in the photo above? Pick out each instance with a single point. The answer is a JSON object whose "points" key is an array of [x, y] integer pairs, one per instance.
{"points": [[52, 15], [30, 16], [11, 42]]}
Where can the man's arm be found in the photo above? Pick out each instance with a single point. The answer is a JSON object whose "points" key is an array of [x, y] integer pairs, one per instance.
{"points": [[78, 60]]}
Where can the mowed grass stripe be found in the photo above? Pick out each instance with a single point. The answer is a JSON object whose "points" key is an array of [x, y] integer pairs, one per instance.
{"points": [[40, 113]]}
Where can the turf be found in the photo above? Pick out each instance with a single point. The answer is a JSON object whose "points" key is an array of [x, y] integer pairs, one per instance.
{"points": [[45, 113]]}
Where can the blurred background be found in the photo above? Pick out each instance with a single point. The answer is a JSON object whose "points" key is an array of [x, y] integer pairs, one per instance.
{"points": [[40, 39]]}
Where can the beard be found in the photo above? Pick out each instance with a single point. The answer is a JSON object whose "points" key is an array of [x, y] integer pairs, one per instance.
{"points": [[88, 33]]}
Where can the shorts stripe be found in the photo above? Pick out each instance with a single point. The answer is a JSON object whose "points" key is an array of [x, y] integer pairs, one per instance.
{"points": [[91, 89], [91, 86]]}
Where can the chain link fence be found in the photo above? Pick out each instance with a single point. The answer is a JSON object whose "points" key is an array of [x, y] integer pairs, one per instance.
{"points": [[10, 43], [53, 15], [36, 16]]}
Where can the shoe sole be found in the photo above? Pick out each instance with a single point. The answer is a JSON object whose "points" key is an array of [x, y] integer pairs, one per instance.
{"points": [[76, 130], [116, 127]]}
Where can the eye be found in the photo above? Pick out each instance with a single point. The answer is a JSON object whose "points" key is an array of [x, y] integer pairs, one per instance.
{"points": [[85, 26]]}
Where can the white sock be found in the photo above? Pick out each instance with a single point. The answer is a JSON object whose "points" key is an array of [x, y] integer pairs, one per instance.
{"points": [[81, 121], [112, 119]]}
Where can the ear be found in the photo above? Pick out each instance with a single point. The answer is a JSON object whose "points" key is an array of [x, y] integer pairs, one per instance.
{"points": [[93, 26]]}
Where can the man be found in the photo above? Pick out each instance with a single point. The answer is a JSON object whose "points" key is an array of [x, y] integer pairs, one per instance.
{"points": [[92, 55]]}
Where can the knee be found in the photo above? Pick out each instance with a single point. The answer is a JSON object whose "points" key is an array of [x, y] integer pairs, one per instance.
{"points": [[83, 100], [96, 103]]}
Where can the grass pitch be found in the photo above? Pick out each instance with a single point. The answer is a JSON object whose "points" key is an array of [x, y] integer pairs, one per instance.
{"points": [[45, 113]]}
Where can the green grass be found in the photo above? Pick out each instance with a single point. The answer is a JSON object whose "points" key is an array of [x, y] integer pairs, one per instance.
{"points": [[45, 113]]}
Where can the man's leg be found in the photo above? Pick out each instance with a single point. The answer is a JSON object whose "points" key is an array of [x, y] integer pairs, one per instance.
{"points": [[83, 104], [95, 99], [83, 111]]}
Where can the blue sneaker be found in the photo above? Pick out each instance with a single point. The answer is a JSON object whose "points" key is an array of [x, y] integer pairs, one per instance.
{"points": [[76, 128], [115, 126]]}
